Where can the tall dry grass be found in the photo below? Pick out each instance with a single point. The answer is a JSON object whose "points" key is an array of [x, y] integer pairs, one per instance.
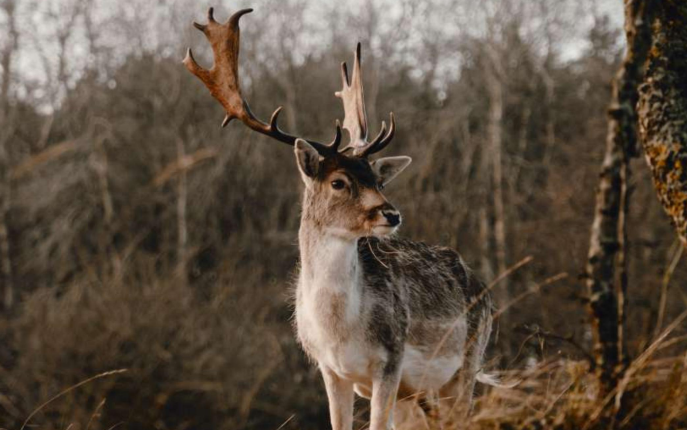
{"points": [[555, 394]]}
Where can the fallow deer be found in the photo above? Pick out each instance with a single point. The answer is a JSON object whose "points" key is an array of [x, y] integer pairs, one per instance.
{"points": [[382, 316]]}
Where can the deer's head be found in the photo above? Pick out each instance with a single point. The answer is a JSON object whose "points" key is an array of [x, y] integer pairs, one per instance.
{"points": [[343, 194], [342, 187]]}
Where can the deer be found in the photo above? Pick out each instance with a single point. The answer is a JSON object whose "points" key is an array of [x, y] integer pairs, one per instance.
{"points": [[384, 317]]}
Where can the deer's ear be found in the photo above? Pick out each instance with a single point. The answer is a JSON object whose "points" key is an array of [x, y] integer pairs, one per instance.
{"points": [[388, 168], [308, 160]]}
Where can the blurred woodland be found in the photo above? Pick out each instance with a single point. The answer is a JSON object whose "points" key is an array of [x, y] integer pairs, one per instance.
{"points": [[137, 234]]}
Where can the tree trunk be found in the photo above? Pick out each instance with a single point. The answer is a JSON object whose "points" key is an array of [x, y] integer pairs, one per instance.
{"points": [[486, 269], [663, 110], [6, 282], [606, 283], [495, 136], [550, 94], [182, 228], [495, 77]]}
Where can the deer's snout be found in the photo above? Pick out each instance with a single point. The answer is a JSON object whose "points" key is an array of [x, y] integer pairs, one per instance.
{"points": [[393, 217], [382, 218], [387, 215]]}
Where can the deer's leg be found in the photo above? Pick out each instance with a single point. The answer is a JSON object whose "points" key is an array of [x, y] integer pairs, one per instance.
{"points": [[457, 403], [459, 392], [408, 415], [340, 395], [384, 391], [430, 405]]}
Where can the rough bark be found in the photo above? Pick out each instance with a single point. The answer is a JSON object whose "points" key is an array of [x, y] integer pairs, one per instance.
{"points": [[607, 281], [663, 110]]}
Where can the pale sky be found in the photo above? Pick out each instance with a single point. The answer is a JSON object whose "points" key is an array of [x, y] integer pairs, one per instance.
{"points": [[155, 25]]}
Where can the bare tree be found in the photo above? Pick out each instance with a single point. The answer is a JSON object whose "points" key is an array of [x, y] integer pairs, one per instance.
{"points": [[7, 290], [495, 75], [182, 202], [607, 280], [663, 109]]}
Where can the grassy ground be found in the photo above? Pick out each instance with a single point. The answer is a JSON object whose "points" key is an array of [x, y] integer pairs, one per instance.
{"points": [[169, 363]]}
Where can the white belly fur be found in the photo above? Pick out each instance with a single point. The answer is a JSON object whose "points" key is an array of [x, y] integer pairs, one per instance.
{"points": [[421, 372], [352, 361], [354, 358]]}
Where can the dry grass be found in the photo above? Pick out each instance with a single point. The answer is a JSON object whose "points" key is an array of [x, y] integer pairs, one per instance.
{"points": [[554, 395], [560, 394], [213, 355], [192, 357]]}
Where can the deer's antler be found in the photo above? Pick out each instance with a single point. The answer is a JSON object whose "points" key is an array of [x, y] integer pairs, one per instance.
{"points": [[355, 120], [223, 81]]}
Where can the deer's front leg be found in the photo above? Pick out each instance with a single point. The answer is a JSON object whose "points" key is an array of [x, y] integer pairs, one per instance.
{"points": [[384, 391], [340, 395]]}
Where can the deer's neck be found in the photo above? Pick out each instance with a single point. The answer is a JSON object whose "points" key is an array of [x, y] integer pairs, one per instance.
{"points": [[328, 261], [329, 294]]}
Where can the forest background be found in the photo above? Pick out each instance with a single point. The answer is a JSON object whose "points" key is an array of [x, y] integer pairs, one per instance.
{"points": [[142, 238]]}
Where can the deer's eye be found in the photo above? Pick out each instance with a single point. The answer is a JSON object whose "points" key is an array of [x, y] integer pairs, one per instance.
{"points": [[338, 184]]}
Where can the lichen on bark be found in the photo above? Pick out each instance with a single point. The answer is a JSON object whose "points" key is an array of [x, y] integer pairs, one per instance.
{"points": [[662, 110]]}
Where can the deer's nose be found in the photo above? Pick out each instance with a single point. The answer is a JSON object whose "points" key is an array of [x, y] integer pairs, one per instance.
{"points": [[393, 217]]}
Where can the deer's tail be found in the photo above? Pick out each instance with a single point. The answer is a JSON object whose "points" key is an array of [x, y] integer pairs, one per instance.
{"points": [[494, 381]]}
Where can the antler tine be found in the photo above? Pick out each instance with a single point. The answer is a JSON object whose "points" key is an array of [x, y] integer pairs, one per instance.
{"points": [[223, 79], [211, 20], [192, 66], [211, 14], [234, 19], [380, 135], [337, 138], [355, 117], [382, 139]]}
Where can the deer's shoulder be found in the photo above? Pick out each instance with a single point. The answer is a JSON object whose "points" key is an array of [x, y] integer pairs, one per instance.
{"points": [[434, 278], [412, 259]]}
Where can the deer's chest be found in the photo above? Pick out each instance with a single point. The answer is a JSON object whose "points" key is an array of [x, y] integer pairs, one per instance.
{"points": [[331, 328]]}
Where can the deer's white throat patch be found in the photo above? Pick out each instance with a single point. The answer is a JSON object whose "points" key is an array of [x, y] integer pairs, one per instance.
{"points": [[329, 308], [329, 300]]}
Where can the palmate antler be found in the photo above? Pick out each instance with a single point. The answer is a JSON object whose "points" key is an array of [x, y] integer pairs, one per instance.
{"points": [[223, 82], [355, 120]]}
